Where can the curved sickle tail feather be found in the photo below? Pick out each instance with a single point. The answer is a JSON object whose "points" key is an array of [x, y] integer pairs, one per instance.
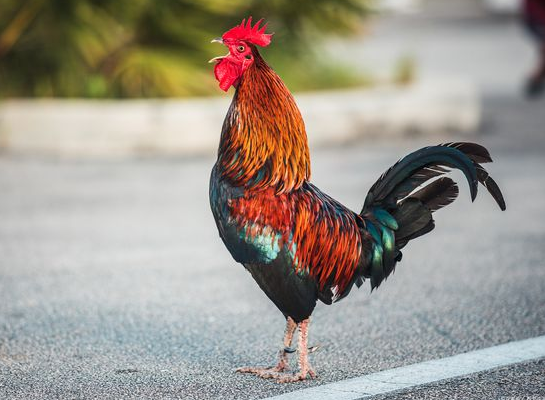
{"points": [[399, 206]]}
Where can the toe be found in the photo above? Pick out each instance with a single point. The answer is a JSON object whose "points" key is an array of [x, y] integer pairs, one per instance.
{"points": [[262, 372], [299, 376], [289, 378], [268, 374], [247, 370]]}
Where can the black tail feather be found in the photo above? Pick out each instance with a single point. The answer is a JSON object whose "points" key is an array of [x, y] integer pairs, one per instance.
{"points": [[479, 154], [490, 184], [402, 193], [412, 216], [438, 194], [475, 151], [414, 170]]}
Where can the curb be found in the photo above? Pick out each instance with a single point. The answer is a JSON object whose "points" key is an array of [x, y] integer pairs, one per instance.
{"points": [[105, 128]]}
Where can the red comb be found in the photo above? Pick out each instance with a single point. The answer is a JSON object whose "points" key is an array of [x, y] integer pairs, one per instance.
{"points": [[246, 32]]}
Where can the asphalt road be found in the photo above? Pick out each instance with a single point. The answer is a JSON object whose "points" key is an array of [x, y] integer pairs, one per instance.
{"points": [[114, 282]]}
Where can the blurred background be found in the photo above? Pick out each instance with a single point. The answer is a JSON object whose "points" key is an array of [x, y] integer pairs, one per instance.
{"points": [[113, 280], [393, 58], [142, 49], [135, 49]]}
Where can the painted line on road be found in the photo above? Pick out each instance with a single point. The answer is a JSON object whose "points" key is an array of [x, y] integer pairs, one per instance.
{"points": [[425, 372]]}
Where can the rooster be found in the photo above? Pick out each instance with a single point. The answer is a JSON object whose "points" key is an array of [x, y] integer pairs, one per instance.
{"points": [[299, 244]]}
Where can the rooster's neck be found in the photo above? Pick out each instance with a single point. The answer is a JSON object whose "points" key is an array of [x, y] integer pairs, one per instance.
{"points": [[264, 142]]}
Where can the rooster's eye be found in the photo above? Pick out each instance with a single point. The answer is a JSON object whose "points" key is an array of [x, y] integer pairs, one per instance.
{"points": [[240, 48]]}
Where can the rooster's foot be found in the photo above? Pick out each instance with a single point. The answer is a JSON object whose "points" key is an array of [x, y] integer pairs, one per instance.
{"points": [[282, 366], [264, 372], [305, 369]]}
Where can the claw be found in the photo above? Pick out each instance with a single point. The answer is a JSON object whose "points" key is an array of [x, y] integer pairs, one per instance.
{"points": [[313, 349]]}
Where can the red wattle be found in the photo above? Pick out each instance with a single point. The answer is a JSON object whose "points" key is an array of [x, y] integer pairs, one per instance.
{"points": [[226, 73]]}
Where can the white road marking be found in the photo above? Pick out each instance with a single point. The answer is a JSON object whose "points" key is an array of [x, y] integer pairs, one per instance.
{"points": [[424, 372]]}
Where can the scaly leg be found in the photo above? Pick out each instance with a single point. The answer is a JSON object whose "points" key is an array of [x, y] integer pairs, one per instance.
{"points": [[304, 367], [272, 372]]}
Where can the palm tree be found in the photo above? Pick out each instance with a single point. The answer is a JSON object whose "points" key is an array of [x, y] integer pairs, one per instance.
{"points": [[147, 48]]}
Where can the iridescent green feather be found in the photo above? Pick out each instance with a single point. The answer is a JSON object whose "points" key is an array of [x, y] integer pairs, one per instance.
{"points": [[385, 218]]}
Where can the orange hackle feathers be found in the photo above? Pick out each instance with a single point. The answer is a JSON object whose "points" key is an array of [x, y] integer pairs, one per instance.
{"points": [[246, 32], [264, 142]]}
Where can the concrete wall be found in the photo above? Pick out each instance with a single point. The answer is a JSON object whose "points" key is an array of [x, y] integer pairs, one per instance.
{"points": [[188, 127]]}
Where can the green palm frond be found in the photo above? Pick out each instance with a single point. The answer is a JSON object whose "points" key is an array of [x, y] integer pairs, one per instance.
{"points": [[143, 48]]}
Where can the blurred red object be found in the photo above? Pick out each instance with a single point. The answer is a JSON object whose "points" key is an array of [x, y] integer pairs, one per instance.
{"points": [[534, 13]]}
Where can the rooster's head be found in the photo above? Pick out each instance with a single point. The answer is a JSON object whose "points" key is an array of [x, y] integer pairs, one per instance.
{"points": [[241, 41]]}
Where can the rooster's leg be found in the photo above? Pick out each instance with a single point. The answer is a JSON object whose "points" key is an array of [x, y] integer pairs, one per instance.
{"points": [[271, 372], [304, 367]]}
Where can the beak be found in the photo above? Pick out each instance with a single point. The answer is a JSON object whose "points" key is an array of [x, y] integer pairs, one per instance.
{"points": [[217, 59]]}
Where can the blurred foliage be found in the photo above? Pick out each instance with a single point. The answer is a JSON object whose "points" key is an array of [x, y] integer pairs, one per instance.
{"points": [[151, 48]]}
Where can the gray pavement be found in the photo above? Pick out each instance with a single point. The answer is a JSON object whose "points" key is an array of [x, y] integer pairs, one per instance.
{"points": [[114, 283], [523, 381]]}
